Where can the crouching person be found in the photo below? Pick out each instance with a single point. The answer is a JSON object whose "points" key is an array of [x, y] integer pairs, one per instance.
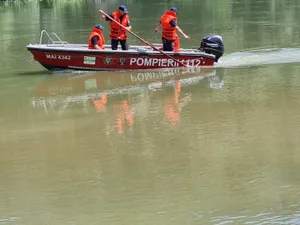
{"points": [[96, 39]]}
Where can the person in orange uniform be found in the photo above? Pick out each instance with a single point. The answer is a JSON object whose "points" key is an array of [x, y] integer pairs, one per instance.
{"points": [[168, 23], [118, 33], [96, 39]]}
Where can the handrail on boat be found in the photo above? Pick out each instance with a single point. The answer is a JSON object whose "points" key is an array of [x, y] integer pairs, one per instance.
{"points": [[50, 39], [64, 43]]}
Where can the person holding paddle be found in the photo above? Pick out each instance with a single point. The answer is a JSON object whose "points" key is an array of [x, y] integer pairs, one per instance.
{"points": [[168, 23], [118, 33], [142, 40]]}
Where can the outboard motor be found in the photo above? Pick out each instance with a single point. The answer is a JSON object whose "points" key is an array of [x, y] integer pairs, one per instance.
{"points": [[212, 44]]}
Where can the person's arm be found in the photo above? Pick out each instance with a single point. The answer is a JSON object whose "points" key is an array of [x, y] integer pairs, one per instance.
{"points": [[173, 23], [106, 18], [95, 43], [158, 25], [128, 26], [182, 33]]}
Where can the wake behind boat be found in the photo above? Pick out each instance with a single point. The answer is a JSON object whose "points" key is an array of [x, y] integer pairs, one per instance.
{"points": [[61, 55]]}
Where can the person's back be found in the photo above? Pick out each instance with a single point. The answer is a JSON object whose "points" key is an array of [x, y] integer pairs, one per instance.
{"points": [[96, 39], [169, 25]]}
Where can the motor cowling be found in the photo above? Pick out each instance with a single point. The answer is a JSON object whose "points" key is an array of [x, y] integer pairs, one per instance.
{"points": [[213, 44]]}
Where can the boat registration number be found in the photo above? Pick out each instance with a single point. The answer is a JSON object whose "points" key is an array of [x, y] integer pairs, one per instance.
{"points": [[61, 57]]}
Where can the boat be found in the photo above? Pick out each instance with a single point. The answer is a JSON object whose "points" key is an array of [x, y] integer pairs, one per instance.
{"points": [[57, 55]]}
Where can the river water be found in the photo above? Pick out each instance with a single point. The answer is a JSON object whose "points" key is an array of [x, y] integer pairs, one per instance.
{"points": [[181, 146]]}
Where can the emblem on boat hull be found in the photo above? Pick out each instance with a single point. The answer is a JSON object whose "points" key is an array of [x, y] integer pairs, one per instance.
{"points": [[122, 61], [107, 60]]}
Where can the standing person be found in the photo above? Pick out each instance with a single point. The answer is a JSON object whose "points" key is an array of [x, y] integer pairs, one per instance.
{"points": [[168, 23], [118, 33], [96, 39]]}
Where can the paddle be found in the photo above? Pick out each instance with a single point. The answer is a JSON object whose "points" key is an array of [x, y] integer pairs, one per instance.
{"points": [[141, 39]]}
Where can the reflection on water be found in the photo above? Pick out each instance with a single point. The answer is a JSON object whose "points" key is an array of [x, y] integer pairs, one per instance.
{"points": [[212, 146], [194, 148], [117, 89]]}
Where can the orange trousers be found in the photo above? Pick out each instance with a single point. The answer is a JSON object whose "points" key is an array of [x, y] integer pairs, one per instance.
{"points": [[176, 44]]}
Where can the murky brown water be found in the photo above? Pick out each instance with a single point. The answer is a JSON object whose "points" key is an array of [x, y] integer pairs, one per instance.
{"points": [[211, 146]]}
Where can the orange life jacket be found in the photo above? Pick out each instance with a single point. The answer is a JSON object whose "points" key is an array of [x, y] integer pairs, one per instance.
{"points": [[117, 32], [101, 39], [168, 31]]}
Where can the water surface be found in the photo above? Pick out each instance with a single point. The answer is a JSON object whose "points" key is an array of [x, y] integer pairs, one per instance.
{"points": [[181, 146]]}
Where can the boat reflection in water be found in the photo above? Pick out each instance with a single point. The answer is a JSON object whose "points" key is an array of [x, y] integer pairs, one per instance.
{"points": [[123, 94]]}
